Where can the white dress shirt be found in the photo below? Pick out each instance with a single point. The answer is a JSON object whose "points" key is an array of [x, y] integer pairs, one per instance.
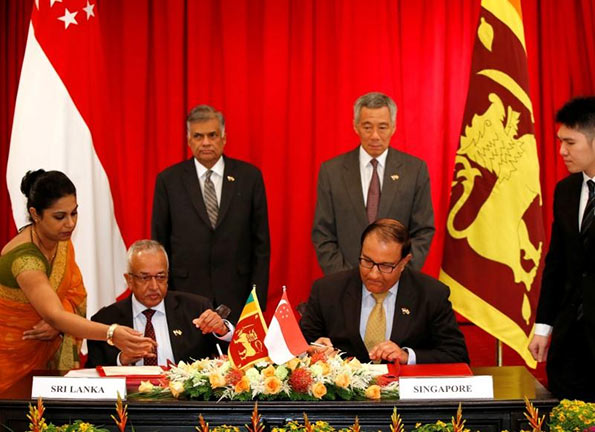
{"points": [[368, 303], [159, 320], [366, 169], [546, 329], [216, 177]]}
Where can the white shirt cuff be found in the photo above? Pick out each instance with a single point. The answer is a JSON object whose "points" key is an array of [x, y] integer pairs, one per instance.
{"points": [[543, 329], [412, 358], [227, 336]]}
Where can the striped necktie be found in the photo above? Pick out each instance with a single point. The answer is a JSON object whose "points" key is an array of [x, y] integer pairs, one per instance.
{"points": [[211, 199]]}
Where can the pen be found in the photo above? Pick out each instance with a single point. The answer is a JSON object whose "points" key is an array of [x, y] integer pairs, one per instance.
{"points": [[314, 344]]}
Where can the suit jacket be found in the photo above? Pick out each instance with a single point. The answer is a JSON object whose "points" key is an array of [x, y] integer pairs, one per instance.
{"points": [[340, 216], [567, 299], [428, 327], [180, 309], [222, 263]]}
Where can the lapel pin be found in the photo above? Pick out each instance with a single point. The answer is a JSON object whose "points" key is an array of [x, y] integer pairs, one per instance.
{"points": [[395, 177], [177, 332], [405, 311], [231, 179]]}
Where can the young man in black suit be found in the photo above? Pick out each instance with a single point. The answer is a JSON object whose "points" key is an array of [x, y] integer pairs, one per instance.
{"points": [[172, 315], [566, 310], [210, 214], [383, 310]]}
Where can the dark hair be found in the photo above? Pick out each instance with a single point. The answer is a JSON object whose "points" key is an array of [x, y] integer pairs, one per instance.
{"points": [[579, 113], [43, 188], [390, 230]]}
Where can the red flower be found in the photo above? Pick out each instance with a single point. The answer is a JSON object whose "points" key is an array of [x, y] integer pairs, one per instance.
{"points": [[233, 376], [300, 380], [318, 356]]}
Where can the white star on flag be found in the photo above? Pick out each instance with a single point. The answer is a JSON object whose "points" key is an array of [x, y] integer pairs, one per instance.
{"points": [[89, 10], [284, 339], [54, 1], [68, 18]]}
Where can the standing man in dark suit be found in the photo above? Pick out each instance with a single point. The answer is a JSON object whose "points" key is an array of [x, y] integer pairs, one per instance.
{"points": [[210, 213], [383, 310], [566, 309], [167, 317], [373, 181]]}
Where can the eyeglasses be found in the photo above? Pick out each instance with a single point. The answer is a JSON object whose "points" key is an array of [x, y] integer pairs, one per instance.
{"points": [[382, 267], [146, 278]]}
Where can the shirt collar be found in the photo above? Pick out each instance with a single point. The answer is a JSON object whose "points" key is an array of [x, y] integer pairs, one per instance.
{"points": [[365, 158], [391, 292], [138, 307], [218, 168], [586, 178]]}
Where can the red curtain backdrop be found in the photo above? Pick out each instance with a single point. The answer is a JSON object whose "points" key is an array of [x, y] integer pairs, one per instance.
{"points": [[286, 74]]}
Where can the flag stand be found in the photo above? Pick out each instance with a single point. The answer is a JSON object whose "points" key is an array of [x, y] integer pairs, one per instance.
{"points": [[498, 352]]}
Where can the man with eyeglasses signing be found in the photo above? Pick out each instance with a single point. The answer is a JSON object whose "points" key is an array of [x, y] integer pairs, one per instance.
{"points": [[167, 317], [383, 310]]}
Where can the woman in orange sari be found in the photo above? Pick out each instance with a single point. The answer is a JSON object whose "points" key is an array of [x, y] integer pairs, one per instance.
{"points": [[41, 288]]}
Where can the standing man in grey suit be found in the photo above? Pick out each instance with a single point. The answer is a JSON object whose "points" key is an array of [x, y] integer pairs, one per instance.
{"points": [[370, 182], [210, 213]]}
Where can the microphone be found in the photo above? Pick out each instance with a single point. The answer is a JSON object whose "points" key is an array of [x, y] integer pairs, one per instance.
{"points": [[223, 311]]}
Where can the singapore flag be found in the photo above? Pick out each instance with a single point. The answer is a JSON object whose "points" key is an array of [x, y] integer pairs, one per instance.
{"points": [[284, 339], [62, 122]]}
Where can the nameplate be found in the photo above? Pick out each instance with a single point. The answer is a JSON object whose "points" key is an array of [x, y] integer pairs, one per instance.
{"points": [[48, 387], [472, 387]]}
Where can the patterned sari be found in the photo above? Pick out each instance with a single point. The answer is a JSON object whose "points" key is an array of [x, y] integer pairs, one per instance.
{"points": [[18, 357]]}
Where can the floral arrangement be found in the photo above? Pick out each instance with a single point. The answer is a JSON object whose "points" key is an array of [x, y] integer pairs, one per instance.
{"points": [[38, 423], [309, 378], [570, 416]]}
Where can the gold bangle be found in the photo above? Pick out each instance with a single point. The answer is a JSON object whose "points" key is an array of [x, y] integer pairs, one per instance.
{"points": [[110, 334]]}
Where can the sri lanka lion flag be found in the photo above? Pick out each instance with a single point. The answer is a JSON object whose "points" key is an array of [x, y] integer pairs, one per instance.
{"points": [[247, 343], [494, 231]]}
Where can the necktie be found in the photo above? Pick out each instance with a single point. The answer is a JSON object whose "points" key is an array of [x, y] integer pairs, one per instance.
{"points": [[376, 326], [211, 199], [589, 209], [373, 193], [150, 333]]}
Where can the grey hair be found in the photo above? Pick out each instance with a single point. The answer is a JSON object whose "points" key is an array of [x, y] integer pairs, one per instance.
{"points": [[374, 100], [202, 113], [144, 246]]}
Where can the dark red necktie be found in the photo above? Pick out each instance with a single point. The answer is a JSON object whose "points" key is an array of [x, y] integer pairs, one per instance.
{"points": [[373, 194], [150, 333]]}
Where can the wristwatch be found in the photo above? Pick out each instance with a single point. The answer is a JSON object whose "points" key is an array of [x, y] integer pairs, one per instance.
{"points": [[110, 334]]}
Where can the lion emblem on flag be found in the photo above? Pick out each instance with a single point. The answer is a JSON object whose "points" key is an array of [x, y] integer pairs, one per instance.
{"points": [[498, 232]]}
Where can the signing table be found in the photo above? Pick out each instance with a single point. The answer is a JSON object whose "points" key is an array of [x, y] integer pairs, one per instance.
{"points": [[504, 412]]}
